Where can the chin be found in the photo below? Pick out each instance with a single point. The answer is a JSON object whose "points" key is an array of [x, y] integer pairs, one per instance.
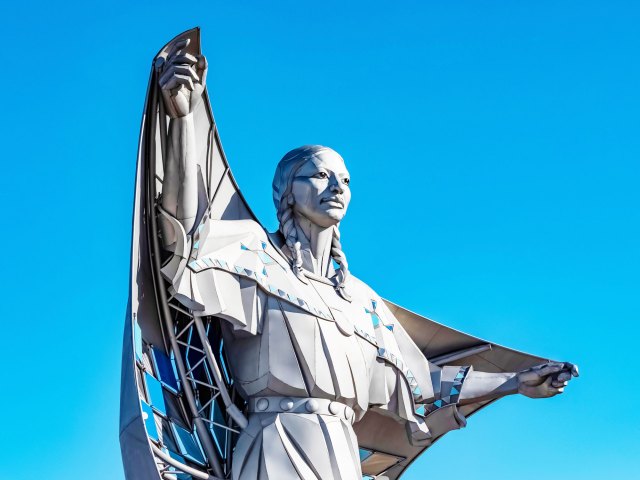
{"points": [[328, 219], [335, 217]]}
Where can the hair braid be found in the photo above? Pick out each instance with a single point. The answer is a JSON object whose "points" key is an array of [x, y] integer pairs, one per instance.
{"points": [[341, 259], [283, 201], [288, 229]]}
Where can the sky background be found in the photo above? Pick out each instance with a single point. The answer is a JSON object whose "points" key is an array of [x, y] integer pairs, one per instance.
{"points": [[494, 154]]}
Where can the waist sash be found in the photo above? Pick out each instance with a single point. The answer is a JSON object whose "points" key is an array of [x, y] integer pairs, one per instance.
{"points": [[308, 405]]}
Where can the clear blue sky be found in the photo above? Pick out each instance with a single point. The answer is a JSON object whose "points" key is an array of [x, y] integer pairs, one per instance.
{"points": [[494, 149]]}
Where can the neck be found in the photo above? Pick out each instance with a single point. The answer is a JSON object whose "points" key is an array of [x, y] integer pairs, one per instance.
{"points": [[315, 243]]}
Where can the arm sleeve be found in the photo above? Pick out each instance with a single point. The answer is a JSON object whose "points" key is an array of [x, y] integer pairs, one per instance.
{"points": [[407, 386], [206, 286]]}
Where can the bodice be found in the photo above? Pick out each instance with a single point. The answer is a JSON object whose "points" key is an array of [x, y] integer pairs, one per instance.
{"points": [[297, 353], [284, 336]]}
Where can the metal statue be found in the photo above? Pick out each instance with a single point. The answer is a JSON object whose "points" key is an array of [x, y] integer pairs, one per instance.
{"points": [[256, 355]]}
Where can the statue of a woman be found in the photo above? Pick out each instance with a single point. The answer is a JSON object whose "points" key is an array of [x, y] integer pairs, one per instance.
{"points": [[309, 348]]}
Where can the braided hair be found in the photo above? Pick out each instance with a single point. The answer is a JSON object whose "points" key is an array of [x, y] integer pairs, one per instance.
{"points": [[283, 201]]}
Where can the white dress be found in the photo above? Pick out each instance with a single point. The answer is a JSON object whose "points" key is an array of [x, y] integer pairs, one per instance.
{"points": [[308, 362]]}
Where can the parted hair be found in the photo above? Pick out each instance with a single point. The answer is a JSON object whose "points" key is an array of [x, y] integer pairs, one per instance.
{"points": [[284, 201]]}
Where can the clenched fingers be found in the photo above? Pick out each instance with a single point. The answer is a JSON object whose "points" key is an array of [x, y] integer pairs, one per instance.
{"points": [[201, 68], [184, 70], [564, 376], [177, 81], [185, 58], [550, 368], [178, 47]]}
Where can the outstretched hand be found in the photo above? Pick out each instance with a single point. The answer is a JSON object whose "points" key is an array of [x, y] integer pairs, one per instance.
{"points": [[182, 79], [546, 380]]}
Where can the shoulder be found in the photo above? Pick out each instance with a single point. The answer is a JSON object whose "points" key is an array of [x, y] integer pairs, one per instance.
{"points": [[221, 228], [241, 247], [360, 291], [359, 287], [218, 234]]}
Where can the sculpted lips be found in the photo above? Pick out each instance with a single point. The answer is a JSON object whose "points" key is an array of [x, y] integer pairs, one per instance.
{"points": [[333, 201]]}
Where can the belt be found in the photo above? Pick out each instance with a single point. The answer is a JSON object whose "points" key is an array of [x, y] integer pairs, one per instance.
{"points": [[319, 406]]}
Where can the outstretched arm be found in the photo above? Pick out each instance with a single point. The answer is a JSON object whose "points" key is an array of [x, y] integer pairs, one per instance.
{"points": [[542, 381], [182, 80]]}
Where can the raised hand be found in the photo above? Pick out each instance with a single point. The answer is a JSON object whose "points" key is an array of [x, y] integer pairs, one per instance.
{"points": [[546, 380], [182, 79]]}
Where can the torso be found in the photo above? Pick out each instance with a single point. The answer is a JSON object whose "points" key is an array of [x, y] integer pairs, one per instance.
{"points": [[289, 338], [298, 340]]}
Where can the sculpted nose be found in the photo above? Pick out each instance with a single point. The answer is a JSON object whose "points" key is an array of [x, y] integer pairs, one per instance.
{"points": [[335, 186]]}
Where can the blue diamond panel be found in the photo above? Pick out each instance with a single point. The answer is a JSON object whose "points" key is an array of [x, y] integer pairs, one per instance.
{"points": [[188, 445], [364, 454], [137, 339], [266, 258], [179, 458], [220, 434], [156, 397], [165, 369], [149, 421], [375, 319]]}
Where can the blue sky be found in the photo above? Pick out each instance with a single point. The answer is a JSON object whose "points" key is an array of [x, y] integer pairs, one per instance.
{"points": [[494, 154]]}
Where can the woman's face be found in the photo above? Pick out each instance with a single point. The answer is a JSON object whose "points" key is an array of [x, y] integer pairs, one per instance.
{"points": [[321, 189]]}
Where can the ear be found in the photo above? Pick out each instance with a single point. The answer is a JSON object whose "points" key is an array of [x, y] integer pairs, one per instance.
{"points": [[290, 200]]}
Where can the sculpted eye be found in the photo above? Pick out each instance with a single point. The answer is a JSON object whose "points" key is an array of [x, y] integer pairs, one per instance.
{"points": [[322, 175], [346, 181]]}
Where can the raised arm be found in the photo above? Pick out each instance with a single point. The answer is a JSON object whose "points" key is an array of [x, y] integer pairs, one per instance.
{"points": [[182, 79]]}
